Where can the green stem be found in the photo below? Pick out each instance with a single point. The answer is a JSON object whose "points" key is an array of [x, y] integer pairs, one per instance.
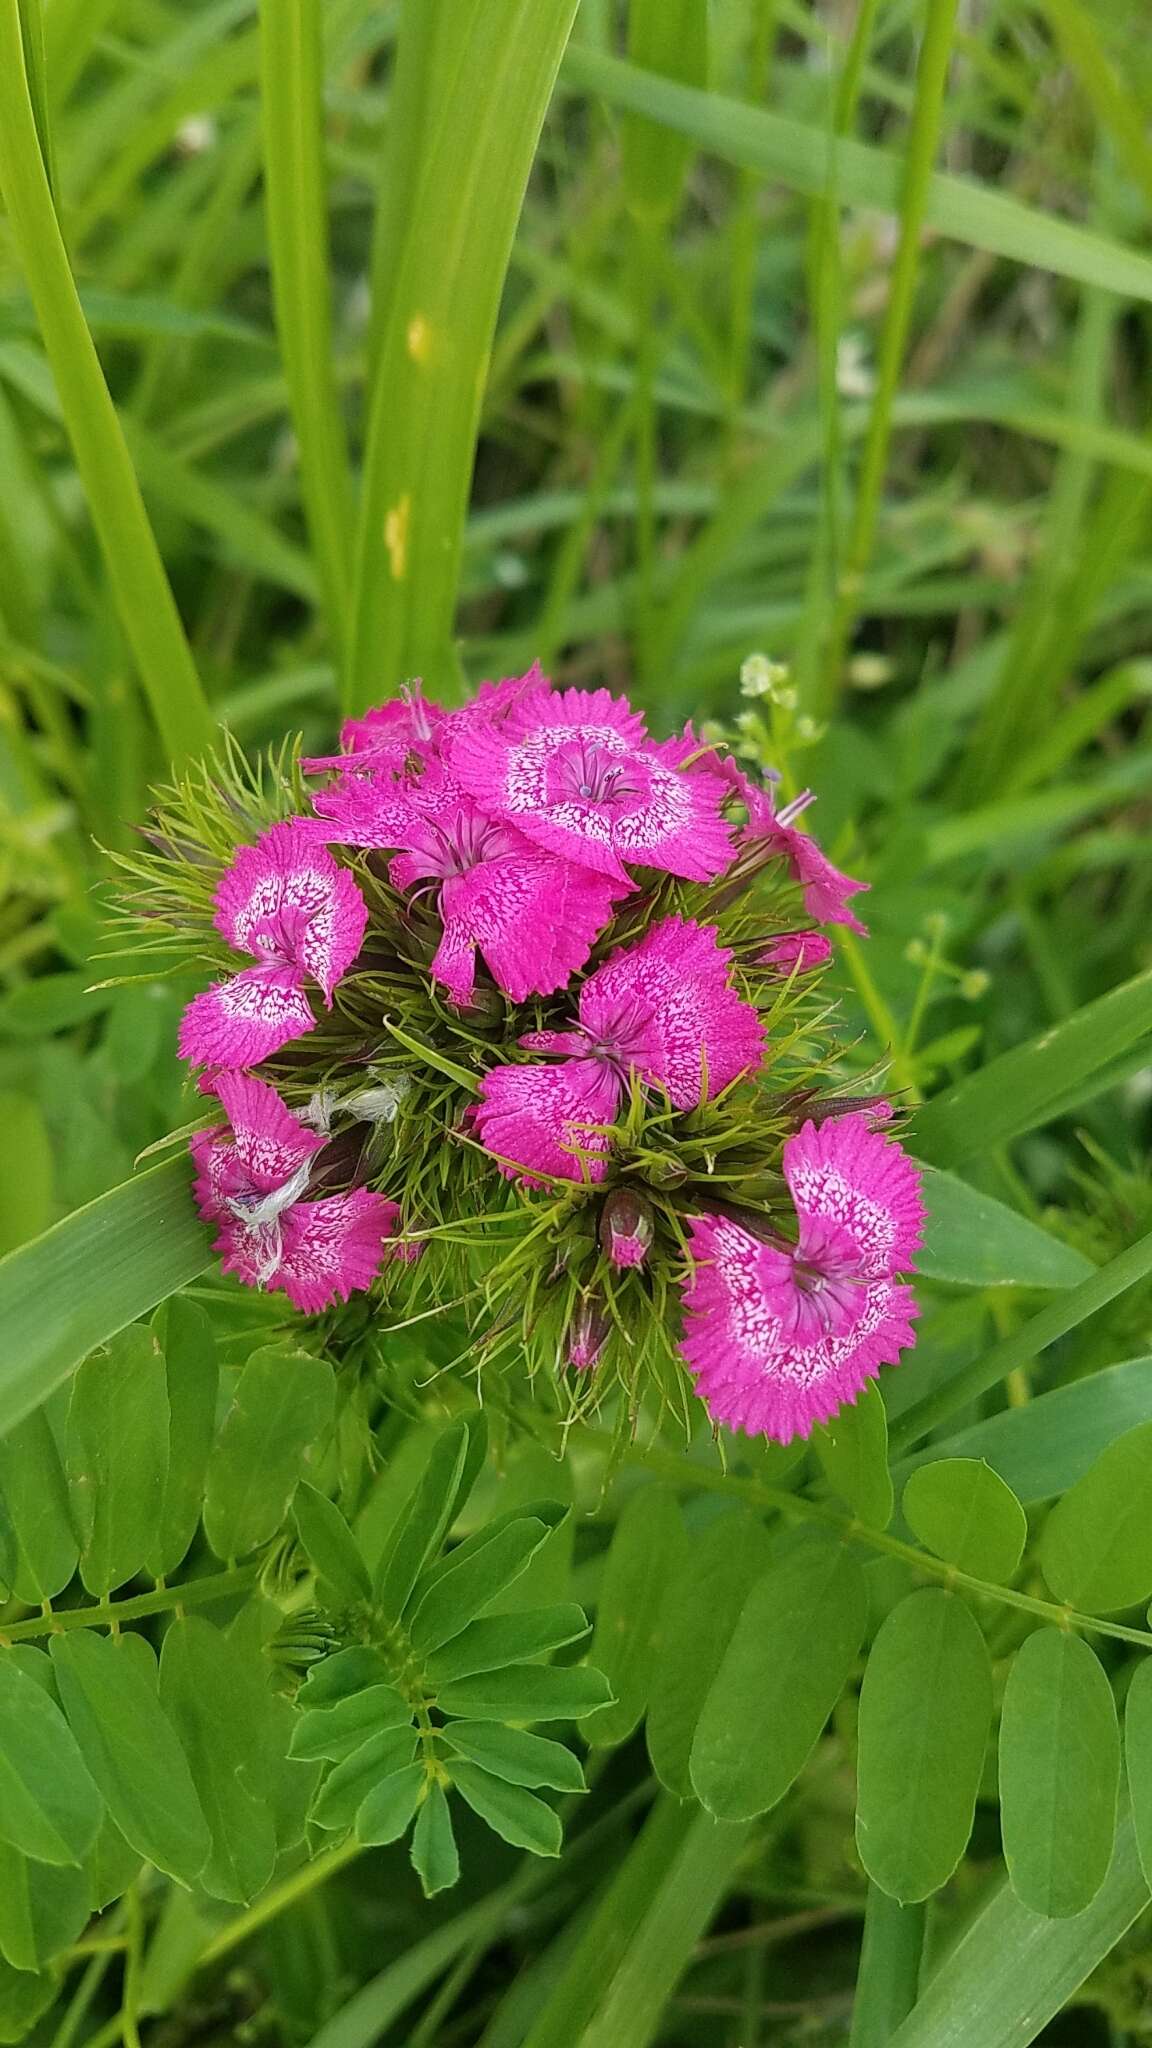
{"points": [[889, 1972], [143, 595], [279, 1899], [109, 1613], [931, 82], [880, 1017], [680, 1472]]}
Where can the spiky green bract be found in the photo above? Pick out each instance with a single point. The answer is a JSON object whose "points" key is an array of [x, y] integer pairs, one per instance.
{"points": [[393, 1069]]}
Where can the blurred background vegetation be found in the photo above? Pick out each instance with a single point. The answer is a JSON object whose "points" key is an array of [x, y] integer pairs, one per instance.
{"points": [[846, 361]]}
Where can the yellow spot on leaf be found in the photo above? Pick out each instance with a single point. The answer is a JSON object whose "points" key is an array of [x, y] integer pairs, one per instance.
{"points": [[396, 537], [419, 338]]}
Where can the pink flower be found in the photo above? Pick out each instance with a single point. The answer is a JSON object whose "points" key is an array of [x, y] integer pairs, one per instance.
{"points": [[662, 1009], [533, 916], [576, 772], [387, 736], [627, 1228], [301, 916], [780, 1337], [826, 888], [797, 952], [252, 1182]]}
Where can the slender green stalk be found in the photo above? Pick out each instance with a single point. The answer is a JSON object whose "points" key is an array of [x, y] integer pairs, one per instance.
{"points": [[931, 83], [110, 1613], [889, 1972], [292, 89], [278, 1900], [443, 292], [140, 586]]}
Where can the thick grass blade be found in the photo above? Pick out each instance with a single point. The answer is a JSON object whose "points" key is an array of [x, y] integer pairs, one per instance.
{"points": [[90, 1275], [143, 595], [443, 295], [889, 1969], [1015, 1092], [292, 84], [795, 155], [1013, 1970]]}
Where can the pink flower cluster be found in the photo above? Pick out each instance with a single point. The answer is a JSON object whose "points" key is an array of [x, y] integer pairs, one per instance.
{"points": [[521, 824]]}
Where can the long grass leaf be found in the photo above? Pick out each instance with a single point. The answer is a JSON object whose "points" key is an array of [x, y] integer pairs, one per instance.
{"points": [[89, 1276], [795, 155], [143, 595], [443, 297]]}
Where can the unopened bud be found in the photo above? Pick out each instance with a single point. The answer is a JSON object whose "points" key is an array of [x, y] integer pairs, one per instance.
{"points": [[587, 1335], [627, 1227]]}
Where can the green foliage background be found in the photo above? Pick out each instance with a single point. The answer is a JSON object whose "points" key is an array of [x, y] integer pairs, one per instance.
{"points": [[346, 342]]}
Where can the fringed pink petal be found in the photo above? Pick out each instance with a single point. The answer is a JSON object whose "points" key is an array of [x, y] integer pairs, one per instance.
{"points": [[286, 901], [270, 1143], [845, 1173], [547, 1120], [535, 919], [797, 952], [240, 1022], [334, 1248], [665, 1007], [751, 1369], [826, 888]]}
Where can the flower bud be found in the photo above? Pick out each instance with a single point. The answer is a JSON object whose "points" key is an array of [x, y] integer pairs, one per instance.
{"points": [[587, 1335], [627, 1227]]}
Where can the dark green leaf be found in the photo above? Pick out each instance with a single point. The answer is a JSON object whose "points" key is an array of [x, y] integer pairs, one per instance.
{"points": [[645, 1561], [501, 1639], [330, 1545], [962, 1510], [784, 1670], [434, 1856], [1059, 1771], [925, 1712], [527, 1692], [214, 1694], [425, 1522], [346, 1787], [118, 1458], [853, 1449], [975, 1241], [1096, 1549], [183, 1331], [337, 1731], [49, 1807], [282, 1404], [513, 1754], [510, 1811], [469, 1585], [24, 1995], [385, 1811], [339, 1676], [43, 1908], [701, 1610], [131, 1748], [36, 1499], [111, 1867], [1138, 1757]]}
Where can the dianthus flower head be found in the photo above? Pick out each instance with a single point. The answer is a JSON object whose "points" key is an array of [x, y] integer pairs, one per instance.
{"points": [[252, 1179], [549, 989]]}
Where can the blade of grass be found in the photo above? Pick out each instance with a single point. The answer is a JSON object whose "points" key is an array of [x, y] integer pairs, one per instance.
{"points": [[36, 65], [292, 87], [1011, 1971], [795, 155], [889, 1969], [144, 598], [1016, 1092], [1066, 1313], [931, 83], [88, 1276], [443, 298]]}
